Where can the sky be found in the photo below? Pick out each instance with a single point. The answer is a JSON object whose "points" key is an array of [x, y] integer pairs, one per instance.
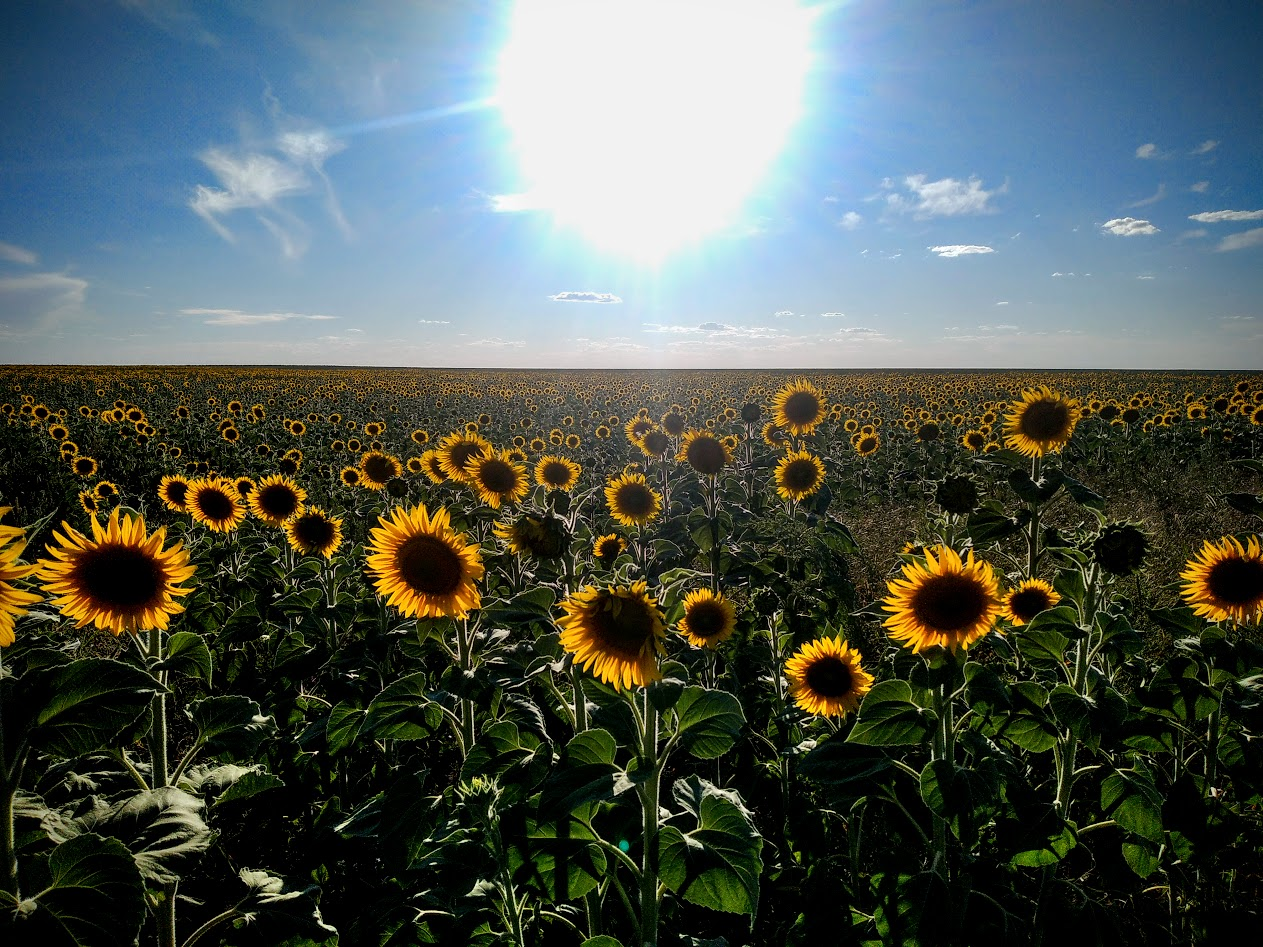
{"points": [[923, 184]]}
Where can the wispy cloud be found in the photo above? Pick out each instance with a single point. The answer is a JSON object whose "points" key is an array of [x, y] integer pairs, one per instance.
{"points": [[1147, 151], [947, 197], [1003, 302], [40, 298], [572, 296], [1243, 240], [15, 254], [1219, 216], [783, 313], [1205, 147], [1152, 198], [850, 220], [175, 18], [238, 317], [1129, 227], [959, 249], [497, 343], [434, 322], [1199, 187], [832, 315], [1145, 276]]}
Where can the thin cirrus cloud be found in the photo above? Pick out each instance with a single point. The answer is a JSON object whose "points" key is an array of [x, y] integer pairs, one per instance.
{"points": [[434, 322], [1242, 241], [12, 253], [1147, 151], [947, 197], [1205, 147], [1219, 216], [1152, 198], [1129, 227], [958, 249], [237, 317], [583, 296], [36, 298]]}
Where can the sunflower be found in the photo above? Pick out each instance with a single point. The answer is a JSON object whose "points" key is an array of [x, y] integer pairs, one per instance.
{"points": [[974, 440], [958, 494], [314, 532], [556, 473], [13, 601], [631, 500], [1120, 548], [799, 475], [414, 465], [420, 436], [432, 466], [215, 503], [704, 452], [533, 535], [616, 633], [457, 450], [774, 437], [674, 423], [422, 566], [276, 499], [799, 407], [709, 618], [826, 678], [608, 548], [173, 490], [106, 490], [637, 428], [1041, 422], [245, 486], [1224, 582], [84, 465], [350, 476], [866, 444], [943, 601], [121, 579], [377, 469], [497, 479], [1028, 600], [89, 502]]}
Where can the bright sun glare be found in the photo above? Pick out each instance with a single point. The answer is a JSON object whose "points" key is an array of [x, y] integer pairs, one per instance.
{"points": [[644, 124]]}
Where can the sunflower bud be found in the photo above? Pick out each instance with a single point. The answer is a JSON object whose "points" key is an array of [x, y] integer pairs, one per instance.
{"points": [[1120, 548], [957, 494]]}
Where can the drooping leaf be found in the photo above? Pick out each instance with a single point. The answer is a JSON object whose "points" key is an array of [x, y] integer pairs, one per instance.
{"points": [[231, 726], [709, 721], [163, 829], [403, 711], [718, 863], [889, 717], [187, 654]]}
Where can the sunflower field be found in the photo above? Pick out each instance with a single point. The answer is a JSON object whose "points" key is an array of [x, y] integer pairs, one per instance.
{"points": [[396, 657]]}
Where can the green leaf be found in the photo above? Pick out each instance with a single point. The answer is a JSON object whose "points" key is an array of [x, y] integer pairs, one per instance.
{"points": [[1055, 848], [709, 721], [1249, 503], [602, 940], [989, 523], [984, 688], [1131, 800], [249, 786], [231, 726], [586, 774], [1084, 496], [963, 797], [403, 711], [90, 894], [850, 770], [342, 727], [717, 864], [889, 717], [1141, 857], [562, 860], [534, 604], [279, 900], [80, 707], [1044, 640], [163, 828], [187, 654]]}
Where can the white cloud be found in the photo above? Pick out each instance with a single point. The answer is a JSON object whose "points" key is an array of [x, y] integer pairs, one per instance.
{"points": [[948, 197], [173, 17], [434, 322], [860, 334], [1003, 302], [832, 315], [236, 317], [573, 296], [957, 249], [40, 297], [1148, 150], [1219, 216], [850, 220], [515, 203], [783, 314], [1129, 227], [1205, 147], [1240, 241], [617, 343], [1153, 198], [498, 343], [15, 254], [1145, 277], [1200, 187]]}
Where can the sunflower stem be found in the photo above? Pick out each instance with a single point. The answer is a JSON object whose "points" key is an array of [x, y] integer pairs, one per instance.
{"points": [[8, 792], [649, 842], [161, 777], [1032, 535], [464, 648]]}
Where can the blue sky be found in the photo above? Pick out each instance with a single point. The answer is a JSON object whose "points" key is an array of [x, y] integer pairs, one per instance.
{"points": [[999, 184]]}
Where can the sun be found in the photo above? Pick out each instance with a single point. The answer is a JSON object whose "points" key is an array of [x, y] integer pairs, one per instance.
{"points": [[644, 124]]}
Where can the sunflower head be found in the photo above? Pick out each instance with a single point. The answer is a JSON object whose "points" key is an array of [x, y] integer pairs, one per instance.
{"points": [[313, 532], [957, 494], [556, 473], [826, 678], [866, 444], [709, 618], [631, 500], [1041, 422], [616, 633], [350, 476], [655, 442], [799, 407], [432, 466], [1026, 601], [276, 499], [215, 503], [423, 567], [120, 580], [942, 601], [674, 423], [1120, 548], [172, 490], [799, 474], [704, 452], [929, 431], [457, 452], [13, 601], [378, 468], [497, 479], [751, 411], [608, 548], [544, 537], [83, 465], [1224, 582]]}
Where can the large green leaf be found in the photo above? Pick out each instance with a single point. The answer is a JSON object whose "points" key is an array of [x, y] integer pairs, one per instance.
{"points": [[163, 828], [718, 863], [231, 726], [1131, 800], [850, 770], [889, 717], [90, 895], [403, 711], [280, 904], [187, 654], [342, 727], [709, 721], [586, 774]]}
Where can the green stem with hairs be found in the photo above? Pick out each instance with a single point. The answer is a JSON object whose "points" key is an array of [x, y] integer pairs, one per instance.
{"points": [[649, 791]]}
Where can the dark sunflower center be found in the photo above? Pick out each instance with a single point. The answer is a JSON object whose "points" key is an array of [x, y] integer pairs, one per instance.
{"points": [[215, 504], [674, 424], [1236, 581], [463, 452], [634, 499], [706, 455], [706, 619], [350, 476], [497, 476], [868, 444], [800, 475], [829, 677], [947, 603], [609, 549], [640, 428], [84, 465], [177, 491], [1028, 603], [928, 432], [622, 625], [1045, 420], [556, 474], [974, 439], [802, 407], [119, 577], [430, 566], [313, 531], [379, 468], [278, 501], [656, 442]]}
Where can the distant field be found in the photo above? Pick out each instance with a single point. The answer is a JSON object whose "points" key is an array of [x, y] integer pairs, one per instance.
{"points": [[538, 657]]}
